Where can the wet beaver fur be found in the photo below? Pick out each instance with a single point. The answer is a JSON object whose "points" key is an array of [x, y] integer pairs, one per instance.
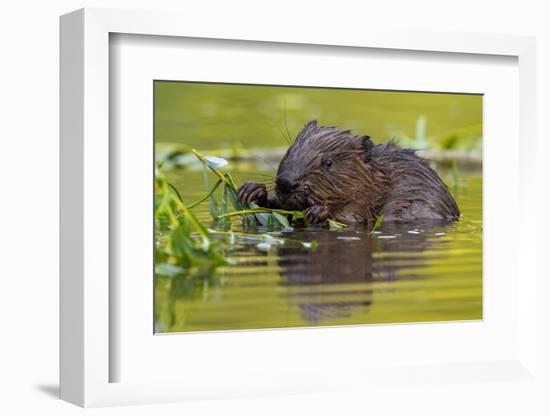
{"points": [[332, 174]]}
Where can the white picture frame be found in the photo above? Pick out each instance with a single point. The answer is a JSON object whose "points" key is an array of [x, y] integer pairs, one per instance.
{"points": [[86, 355]]}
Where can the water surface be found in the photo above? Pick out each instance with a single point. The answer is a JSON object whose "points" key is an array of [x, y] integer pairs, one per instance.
{"points": [[402, 273]]}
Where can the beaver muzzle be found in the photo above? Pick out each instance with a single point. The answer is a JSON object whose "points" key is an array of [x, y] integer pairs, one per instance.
{"points": [[291, 193]]}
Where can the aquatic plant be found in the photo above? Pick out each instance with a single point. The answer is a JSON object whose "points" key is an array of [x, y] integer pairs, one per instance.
{"points": [[187, 248], [251, 214], [185, 245]]}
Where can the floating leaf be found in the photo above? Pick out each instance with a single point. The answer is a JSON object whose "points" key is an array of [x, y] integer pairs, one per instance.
{"points": [[272, 240], [312, 245], [263, 246], [170, 270]]}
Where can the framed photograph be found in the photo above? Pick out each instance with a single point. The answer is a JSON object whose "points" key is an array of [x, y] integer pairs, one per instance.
{"points": [[306, 195], [262, 212]]}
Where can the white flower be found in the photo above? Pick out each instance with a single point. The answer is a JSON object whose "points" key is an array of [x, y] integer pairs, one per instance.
{"points": [[215, 162]]}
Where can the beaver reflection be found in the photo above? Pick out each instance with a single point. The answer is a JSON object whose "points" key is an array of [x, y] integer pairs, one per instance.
{"points": [[333, 281]]}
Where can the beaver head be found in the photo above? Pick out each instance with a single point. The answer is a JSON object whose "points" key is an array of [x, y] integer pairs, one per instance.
{"points": [[324, 166]]}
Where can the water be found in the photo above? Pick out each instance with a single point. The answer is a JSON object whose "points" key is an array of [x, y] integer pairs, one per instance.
{"points": [[403, 273]]}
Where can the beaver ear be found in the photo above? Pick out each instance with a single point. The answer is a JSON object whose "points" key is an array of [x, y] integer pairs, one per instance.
{"points": [[367, 146]]}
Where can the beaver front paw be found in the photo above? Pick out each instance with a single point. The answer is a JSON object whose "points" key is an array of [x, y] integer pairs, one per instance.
{"points": [[316, 214], [252, 192]]}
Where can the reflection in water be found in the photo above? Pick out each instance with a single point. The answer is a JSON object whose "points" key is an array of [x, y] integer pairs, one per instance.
{"points": [[326, 284], [333, 280]]}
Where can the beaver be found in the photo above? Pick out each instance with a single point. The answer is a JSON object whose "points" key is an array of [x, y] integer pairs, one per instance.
{"points": [[332, 174]]}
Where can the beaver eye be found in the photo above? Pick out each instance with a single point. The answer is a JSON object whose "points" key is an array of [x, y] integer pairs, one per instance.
{"points": [[328, 163]]}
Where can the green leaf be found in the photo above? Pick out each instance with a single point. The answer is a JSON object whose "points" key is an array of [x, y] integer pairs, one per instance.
{"points": [[335, 225], [226, 221], [281, 219], [297, 215], [225, 194], [262, 218], [378, 223], [212, 203]]}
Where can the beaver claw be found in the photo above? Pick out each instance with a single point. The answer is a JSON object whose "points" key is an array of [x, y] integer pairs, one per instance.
{"points": [[252, 192], [316, 214]]}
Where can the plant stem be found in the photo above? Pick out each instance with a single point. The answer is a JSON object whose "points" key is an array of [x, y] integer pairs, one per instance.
{"points": [[200, 228], [175, 191], [256, 211], [204, 198], [235, 233]]}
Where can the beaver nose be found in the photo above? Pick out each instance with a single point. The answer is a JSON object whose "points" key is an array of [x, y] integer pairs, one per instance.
{"points": [[285, 184]]}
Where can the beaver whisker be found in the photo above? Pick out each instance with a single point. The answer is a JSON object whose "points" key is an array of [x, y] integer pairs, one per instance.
{"points": [[266, 162], [286, 125]]}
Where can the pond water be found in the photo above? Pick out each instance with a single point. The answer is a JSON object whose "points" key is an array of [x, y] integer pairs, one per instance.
{"points": [[403, 273]]}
